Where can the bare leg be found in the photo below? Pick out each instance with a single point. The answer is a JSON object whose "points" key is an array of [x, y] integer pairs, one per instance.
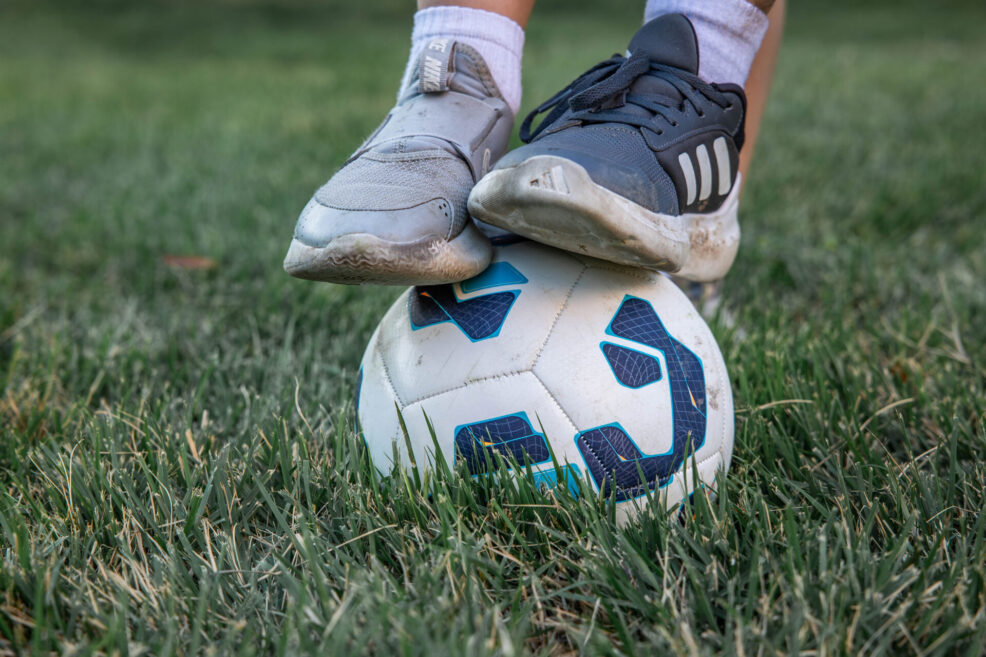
{"points": [[707, 295], [516, 10], [763, 5], [758, 84]]}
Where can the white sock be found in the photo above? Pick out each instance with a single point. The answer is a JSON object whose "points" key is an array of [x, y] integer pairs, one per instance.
{"points": [[729, 34], [497, 38]]}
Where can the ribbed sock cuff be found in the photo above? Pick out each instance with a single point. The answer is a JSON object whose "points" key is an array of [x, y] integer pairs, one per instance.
{"points": [[729, 34], [498, 39]]}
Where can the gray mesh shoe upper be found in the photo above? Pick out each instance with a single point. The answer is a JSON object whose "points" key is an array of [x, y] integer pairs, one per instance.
{"points": [[410, 179]]}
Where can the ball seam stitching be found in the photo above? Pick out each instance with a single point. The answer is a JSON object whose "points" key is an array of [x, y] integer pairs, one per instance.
{"points": [[468, 383], [390, 382], [554, 322], [555, 400]]}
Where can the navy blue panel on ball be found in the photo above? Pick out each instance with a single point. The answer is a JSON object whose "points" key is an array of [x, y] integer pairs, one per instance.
{"points": [[632, 368], [618, 466], [359, 387], [511, 435], [423, 309], [359, 390], [615, 462], [478, 317]]}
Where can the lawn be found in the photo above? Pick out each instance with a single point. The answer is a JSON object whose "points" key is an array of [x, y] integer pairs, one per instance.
{"points": [[178, 469]]}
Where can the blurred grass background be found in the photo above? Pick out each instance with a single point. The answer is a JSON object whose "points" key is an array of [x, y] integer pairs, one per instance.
{"points": [[177, 466]]}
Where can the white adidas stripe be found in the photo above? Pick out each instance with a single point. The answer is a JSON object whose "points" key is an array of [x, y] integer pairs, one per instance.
{"points": [[701, 186], [688, 171], [725, 171]]}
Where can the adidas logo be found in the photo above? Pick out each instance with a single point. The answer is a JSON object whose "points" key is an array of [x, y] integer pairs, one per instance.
{"points": [[700, 187], [553, 180]]}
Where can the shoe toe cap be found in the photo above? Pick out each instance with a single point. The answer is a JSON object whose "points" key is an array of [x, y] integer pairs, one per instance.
{"points": [[628, 181], [320, 224]]}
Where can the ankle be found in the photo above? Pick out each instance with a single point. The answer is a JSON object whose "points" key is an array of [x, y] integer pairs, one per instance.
{"points": [[729, 33], [498, 39]]}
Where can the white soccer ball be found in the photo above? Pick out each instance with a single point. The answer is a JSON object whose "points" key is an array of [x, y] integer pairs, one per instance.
{"points": [[609, 367]]}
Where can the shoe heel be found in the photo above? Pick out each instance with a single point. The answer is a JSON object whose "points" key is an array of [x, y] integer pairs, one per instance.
{"points": [[714, 240]]}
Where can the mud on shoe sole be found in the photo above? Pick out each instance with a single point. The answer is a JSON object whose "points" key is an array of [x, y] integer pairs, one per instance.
{"points": [[553, 200], [365, 258]]}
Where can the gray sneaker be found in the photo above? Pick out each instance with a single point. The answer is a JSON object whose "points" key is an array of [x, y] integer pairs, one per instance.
{"points": [[395, 213]]}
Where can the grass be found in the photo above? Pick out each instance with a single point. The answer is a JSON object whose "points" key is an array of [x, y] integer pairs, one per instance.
{"points": [[178, 472]]}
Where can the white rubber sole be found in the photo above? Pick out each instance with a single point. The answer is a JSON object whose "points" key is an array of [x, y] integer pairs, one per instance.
{"points": [[553, 200], [366, 259]]}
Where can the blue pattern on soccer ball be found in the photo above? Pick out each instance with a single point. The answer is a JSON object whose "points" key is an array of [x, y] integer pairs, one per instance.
{"points": [[359, 387], [359, 393], [479, 317], [631, 368], [498, 274], [616, 464], [510, 436]]}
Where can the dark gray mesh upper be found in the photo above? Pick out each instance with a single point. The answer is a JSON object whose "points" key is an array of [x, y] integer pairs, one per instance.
{"points": [[615, 156]]}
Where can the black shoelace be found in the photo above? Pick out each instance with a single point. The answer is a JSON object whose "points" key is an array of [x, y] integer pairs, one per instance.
{"points": [[600, 94]]}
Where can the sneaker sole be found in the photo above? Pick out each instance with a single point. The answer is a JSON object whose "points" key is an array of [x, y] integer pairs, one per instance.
{"points": [[553, 200], [366, 259]]}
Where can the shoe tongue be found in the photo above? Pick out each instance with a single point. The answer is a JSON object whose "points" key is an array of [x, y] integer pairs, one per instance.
{"points": [[670, 40], [445, 65]]}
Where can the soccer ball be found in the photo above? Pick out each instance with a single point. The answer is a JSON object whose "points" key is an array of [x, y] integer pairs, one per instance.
{"points": [[610, 368]]}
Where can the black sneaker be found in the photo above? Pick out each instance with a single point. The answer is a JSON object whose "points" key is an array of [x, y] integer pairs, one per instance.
{"points": [[636, 162]]}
